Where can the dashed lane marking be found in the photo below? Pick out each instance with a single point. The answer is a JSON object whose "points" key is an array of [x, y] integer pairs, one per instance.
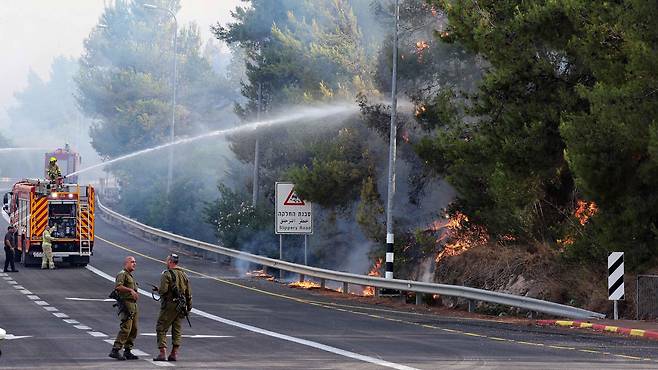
{"points": [[60, 314], [353, 309], [289, 338], [71, 321], [96, 334], [82, 327], [50, 308]]}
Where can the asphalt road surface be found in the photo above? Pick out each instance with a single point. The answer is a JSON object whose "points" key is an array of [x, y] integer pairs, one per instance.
{"points": [[62, 319]]}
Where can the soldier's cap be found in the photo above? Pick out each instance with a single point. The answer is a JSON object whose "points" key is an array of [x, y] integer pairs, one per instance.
{"points": [[173, 257]]}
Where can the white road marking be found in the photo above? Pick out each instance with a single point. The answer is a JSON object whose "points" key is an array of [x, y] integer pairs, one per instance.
{"points": [[97, 334], [7, 277], [138, 352], [50, 308], [3, 274], [191, 336], [60, 314], [160, 363], [19, 287], [12, 282], [90, 299], [33, 297], [289, 338], [12, 336], [71, 321], [82, 327], [25, 291], [41, 303]]}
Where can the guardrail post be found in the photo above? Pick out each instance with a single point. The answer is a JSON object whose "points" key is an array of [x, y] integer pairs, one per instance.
{"points": [[323, 283], [301, 278], [345, 288], [471, 305], [376, 290], [419, 298]]}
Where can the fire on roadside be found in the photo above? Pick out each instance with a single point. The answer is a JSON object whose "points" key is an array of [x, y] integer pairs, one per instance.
{"points": [[304, 284], [457, 237], [585, 210], [260, 274], [374, 271]]}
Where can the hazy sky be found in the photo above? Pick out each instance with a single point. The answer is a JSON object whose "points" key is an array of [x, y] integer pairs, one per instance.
{"points": [[33, 32]]}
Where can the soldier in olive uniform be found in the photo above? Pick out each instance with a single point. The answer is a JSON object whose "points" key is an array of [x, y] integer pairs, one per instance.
{"points": [[169, 315], [126, 287]]}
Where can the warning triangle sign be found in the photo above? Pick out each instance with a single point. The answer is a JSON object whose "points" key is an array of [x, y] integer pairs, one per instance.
{"points": [[293, 199]]}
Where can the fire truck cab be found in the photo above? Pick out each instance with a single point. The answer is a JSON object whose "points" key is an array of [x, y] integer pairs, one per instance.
{"points": [[34, 204]]}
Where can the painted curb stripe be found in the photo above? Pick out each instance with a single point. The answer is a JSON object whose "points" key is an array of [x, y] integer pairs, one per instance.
{"points": [[599, 327]]}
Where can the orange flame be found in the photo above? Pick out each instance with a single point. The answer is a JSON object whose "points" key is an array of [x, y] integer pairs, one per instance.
{"points": [[374, 271], [420, 110], [585, 210], [260, 274], [456, 237], [304, 284]]}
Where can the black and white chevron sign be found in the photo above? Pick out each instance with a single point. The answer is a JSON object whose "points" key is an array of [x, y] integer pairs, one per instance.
{"points": [[616, 276]]}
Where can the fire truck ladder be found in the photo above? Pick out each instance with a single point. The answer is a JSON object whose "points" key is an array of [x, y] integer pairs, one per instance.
{"points": [[84, 224]]}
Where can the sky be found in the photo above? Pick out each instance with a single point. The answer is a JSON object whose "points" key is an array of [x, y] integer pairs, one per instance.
{"points": [[33, 32]]}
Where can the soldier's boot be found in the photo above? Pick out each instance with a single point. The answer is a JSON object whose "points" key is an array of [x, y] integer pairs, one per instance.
{"points": [[173, 354], [162, 356], [115, 354], [129, 355]]}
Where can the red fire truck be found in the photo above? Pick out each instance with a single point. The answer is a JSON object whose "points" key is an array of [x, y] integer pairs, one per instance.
{"points": [[34, 204]]}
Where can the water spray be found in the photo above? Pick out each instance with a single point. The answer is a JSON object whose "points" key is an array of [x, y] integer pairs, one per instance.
{"points": [[300, 113]]}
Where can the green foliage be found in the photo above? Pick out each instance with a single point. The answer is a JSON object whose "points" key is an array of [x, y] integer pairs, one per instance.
{"points": [[125, 85], [336, 173], [564, 111], [370, 211], [236, 222]]}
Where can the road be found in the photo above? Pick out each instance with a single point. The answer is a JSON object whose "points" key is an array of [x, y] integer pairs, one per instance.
{"points": [[61, 318]]}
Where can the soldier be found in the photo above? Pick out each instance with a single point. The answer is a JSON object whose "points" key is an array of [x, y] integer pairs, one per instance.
{"points": [[126, 287], [47, 247], [173, 308]]}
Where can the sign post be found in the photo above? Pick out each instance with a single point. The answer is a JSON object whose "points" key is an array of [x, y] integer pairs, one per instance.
{"points": [[293, 215], [616, 279]]}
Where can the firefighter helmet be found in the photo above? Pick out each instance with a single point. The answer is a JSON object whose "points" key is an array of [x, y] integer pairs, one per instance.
{"points": [[53, 159]]}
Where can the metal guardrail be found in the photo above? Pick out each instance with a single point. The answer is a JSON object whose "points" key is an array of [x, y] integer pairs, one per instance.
{"points": [[527, 303]]}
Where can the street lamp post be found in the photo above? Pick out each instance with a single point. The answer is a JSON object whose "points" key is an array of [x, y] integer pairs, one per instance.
{"points": [[170, 169], [391, 151]]}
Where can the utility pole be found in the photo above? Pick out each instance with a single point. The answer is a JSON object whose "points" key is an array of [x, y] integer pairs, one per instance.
{"points": [[392, 149], [256, 157]]}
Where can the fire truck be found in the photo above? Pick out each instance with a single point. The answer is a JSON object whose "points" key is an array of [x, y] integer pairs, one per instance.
{"points": [[35, 204]]}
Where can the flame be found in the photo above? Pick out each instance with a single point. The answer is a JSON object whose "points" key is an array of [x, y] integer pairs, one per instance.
{"points": [[585, 210], [421, 46], [456, 237], [260, 274], [420, 110], [304, 284], [374, 271]]}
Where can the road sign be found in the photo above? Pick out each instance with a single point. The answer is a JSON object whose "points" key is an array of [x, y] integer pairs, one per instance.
{"points": [[616, 276], [293, 214]]}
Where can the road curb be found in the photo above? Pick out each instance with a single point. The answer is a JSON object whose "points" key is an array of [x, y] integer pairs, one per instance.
{"points": [[600, 327]]}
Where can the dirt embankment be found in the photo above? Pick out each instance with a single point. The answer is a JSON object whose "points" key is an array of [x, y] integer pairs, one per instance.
{"points": [[539, 273]]}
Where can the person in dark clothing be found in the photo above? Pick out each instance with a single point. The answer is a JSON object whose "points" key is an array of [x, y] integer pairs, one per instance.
{"points": [[10, 246]]}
